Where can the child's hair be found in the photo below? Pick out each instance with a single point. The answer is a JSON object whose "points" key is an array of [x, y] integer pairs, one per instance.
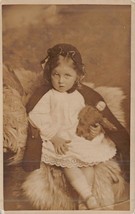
{"points": [[68, 52]]}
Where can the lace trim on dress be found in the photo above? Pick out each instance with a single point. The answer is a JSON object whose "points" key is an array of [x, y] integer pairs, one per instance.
{"points": [[72, 162]]}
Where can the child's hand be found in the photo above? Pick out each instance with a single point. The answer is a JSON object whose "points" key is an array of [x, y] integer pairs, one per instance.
{"points": [[95, 130], [60, 145]]}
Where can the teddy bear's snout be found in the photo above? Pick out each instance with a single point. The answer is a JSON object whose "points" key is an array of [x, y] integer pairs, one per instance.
{"points": [[80, 131], [83, 131]]}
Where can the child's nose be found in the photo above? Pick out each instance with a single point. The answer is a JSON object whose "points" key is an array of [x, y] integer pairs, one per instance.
{"points": [[61, 79]]}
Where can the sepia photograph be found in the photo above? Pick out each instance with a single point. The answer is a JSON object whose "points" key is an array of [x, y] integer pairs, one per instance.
{"points": [[67, 110]]}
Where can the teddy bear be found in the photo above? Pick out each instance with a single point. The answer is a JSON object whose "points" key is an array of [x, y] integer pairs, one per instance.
{"points": [[90, 116]]}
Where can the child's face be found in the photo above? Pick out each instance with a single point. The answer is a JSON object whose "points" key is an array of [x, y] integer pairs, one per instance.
{"points": [[63, 77]]}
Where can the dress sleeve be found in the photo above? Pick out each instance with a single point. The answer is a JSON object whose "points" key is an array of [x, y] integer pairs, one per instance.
{"points": [[40, 117]]}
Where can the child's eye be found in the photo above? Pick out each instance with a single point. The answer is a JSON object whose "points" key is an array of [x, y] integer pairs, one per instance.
{"points": [[55, 74], [67, 75]]}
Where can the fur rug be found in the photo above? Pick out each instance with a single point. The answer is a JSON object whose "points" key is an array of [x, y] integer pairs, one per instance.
{"points": [[47, 182], [41, 184], [108, 188], [15, 123]]}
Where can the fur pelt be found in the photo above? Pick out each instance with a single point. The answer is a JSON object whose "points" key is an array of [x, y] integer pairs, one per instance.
{"points": [[14, 123], [29, 81], [108, 175], [48, 181], [46, 188], [10, 79]]}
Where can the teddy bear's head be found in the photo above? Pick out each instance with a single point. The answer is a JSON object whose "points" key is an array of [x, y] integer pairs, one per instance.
{"points": [[90, 116]]}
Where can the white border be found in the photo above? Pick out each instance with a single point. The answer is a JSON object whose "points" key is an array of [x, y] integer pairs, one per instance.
{"points": [[94, 2]]}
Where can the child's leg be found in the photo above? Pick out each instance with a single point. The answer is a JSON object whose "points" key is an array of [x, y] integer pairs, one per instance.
{"points": [[78, 180], [89, 174]]}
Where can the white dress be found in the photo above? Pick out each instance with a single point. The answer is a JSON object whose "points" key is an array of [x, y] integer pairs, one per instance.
{"points": [[57, 113]]}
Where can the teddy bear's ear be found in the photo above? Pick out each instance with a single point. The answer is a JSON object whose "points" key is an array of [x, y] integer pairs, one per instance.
{"points": [[108, 125]]}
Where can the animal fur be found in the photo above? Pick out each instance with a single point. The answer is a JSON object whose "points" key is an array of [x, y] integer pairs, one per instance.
{"points": [[114, 98], [29, 80], [11, 80], [15, 124], [108, 175], [46, 184], [51, 191]]}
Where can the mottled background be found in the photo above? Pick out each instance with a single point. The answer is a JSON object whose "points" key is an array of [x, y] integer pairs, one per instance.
{"points": [[100, 32]]}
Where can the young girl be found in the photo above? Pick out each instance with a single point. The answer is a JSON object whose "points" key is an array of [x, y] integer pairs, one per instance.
{"points": [[56, 117]]}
